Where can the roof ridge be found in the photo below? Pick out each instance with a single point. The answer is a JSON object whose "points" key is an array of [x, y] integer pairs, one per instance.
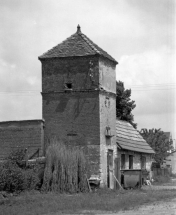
{"points": [[78, 44], [83, 36]]}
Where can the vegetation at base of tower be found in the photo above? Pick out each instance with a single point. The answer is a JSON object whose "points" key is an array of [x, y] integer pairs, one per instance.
{"points": [[124, 104], [159, 143], [65, 169], [14, 176]]}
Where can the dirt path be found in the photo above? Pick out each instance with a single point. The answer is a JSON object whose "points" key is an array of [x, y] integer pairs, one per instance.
{"points": [[158, 208]]}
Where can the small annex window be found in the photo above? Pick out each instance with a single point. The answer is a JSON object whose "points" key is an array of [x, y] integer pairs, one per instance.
{"points": [[122, 161], [130, 161], [143, 162]]}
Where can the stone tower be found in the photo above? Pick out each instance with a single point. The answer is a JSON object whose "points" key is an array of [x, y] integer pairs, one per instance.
{"points": [[79, 101]]}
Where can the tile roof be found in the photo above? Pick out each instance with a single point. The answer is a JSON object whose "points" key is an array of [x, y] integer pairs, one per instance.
{"points": [[129, 138], [77, 44]]}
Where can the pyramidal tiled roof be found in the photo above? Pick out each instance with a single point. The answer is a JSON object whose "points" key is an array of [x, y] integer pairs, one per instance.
{"points": [[129, 138], [77, 44]]}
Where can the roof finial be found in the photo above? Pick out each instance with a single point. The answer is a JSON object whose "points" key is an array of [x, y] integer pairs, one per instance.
{"points": [[78, 29]]}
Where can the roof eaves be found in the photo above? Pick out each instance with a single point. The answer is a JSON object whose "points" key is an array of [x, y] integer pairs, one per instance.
{"points": [[44, 55], [136, 149]]}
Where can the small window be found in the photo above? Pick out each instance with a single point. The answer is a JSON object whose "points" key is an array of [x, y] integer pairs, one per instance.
{"points": [[143, 162], [130, 161], [68, 86], [122, 161]]}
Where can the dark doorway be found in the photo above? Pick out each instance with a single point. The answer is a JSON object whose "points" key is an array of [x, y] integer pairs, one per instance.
{"points": [[110, 169]]}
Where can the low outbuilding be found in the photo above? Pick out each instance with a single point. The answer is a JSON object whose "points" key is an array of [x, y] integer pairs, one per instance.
{"points": [[135, 155]]}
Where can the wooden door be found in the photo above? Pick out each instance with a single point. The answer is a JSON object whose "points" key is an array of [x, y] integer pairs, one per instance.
{"points": [[110, 177]]}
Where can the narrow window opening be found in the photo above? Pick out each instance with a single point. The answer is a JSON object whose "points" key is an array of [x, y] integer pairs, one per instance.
{"points": [[122, 161], [130, 161], [68, 85], [143, 162]]}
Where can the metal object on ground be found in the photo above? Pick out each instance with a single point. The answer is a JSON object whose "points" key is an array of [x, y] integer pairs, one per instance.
{"points": [[131, 178]]}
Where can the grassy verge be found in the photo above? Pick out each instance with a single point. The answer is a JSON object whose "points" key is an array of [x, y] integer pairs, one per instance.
{"points": [[104, 200]]}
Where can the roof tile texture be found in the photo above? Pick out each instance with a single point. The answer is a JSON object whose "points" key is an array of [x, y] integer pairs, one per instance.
{"points": [[129, 138], [77, 44]]}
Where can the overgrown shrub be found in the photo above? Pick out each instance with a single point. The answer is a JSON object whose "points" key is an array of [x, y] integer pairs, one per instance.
{"points": [[12, 178], [65, 169], [162, 179], [31, 179], [17, 157], [15, 176]]}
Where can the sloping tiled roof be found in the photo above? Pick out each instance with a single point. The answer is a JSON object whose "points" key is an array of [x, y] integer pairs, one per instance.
{"points": [[129, 138], [77, 44]]}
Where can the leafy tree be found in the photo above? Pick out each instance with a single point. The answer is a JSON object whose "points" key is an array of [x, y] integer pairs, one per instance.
{"points": [[124, 105], [159, 142]]}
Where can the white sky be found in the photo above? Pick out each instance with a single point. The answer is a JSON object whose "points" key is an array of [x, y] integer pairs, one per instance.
{"points": [[140, 35]]}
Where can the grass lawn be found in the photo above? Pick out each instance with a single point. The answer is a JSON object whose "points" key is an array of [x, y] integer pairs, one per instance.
{"points": [[34, 203]]}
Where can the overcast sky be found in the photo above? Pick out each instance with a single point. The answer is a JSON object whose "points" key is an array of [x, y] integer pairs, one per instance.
{"points": [[140, 35]]}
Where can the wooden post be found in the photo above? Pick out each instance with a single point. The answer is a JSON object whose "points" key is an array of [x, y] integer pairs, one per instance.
{"points": [[118, 182], [117, 172], [141, 178], [88, 184]]}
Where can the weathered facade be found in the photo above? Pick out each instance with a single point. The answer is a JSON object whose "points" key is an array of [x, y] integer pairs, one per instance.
{"points": [[79, 97], [20, 135]]}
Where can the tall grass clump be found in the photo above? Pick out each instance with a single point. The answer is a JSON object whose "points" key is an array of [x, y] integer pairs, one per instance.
{"points": [[65, 169]]}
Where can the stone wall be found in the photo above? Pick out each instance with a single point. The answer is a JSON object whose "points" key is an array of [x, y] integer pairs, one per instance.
{"points": [[107, 75], [107, 97], [107, 119], [21, 134]]}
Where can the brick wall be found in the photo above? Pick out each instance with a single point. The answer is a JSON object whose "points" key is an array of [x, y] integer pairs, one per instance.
{"points": [[21, 134], [82, 72], [80, 116], [74, 118]]}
